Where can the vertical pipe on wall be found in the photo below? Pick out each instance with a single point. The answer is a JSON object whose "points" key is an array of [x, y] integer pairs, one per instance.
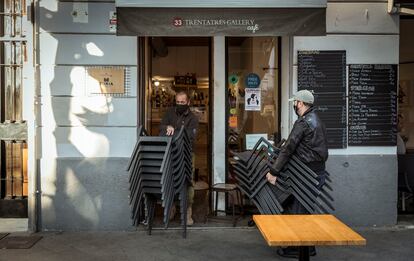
{"points": [[34, 174]]}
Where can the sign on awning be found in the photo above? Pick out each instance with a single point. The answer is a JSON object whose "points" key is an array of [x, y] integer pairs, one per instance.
{"points": [[140, 21]]}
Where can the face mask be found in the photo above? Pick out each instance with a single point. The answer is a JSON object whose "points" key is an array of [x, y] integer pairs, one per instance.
{"points": [[181, 108], [295, 108]]}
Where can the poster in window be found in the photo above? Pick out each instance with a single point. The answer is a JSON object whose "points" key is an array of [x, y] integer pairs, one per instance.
{"points": [[252, 99]]}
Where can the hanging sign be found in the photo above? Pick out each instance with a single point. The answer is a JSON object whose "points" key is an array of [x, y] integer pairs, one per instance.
{"points": [[252, 99], [252, 80]]}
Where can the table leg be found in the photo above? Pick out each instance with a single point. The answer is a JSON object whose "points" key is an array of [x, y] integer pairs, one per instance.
{"points": [[303, 253]]}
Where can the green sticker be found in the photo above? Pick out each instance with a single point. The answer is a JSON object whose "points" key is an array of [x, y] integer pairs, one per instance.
{"points": [[233, 79]]}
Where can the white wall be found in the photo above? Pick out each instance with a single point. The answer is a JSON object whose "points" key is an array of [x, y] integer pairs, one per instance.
{"points": [[367, 33], [72, 122], [85, 139]]}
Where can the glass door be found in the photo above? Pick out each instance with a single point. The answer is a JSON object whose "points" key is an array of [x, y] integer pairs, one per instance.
{"points": [[253, 92]]}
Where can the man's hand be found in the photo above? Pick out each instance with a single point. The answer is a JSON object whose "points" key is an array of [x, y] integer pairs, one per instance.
{"points": [[170, 130], [271, 178]]}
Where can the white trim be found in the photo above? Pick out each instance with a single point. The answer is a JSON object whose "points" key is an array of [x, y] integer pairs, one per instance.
{"points": [[286, 88], [352, 150], [219, 119]]}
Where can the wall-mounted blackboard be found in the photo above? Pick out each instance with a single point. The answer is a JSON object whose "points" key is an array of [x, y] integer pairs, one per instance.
{"points": [[324, 72], [372, 105]]}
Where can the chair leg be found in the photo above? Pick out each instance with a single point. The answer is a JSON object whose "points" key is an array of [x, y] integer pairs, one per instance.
{"points": [[240, 199], [151, 214], [233, 209], [216, 204], [403, 201], [185, 206]]}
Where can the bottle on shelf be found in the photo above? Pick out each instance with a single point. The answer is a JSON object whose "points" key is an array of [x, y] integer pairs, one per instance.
{"points": [[187, 78], [157, 99], [195, 99]]}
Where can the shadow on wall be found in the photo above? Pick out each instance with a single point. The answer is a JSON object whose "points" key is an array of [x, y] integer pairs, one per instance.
{"points": [[82, 189], [89, 194]]}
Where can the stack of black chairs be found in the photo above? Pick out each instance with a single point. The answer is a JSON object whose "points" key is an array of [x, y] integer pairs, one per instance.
{"points": [[296, 180], [160, 170]]}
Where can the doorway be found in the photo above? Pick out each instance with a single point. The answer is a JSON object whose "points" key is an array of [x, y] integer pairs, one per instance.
{"points": [[13, 152], [177, 64], [405, 137]]}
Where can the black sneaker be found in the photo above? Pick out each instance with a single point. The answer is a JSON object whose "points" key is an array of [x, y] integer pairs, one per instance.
{"points": [[293, 252], [289, 252], [251, 223], [312, 251]]}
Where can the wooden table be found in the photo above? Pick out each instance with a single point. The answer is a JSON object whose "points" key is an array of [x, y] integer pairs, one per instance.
{"points": [[306, 230]]}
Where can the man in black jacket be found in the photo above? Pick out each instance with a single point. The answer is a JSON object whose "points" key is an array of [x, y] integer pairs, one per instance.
{"points": [[307, 141], [178, 116], [174, 118]]}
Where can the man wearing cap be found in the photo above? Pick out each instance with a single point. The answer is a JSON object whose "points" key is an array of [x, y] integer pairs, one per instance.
{"points": [[307, 141]]}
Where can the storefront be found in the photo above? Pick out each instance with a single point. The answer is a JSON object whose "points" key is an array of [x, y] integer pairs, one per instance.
{"points": [[240, 61], [234, 81]]}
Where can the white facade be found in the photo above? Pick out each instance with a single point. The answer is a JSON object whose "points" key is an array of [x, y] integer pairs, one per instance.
{"points": [[79, 132]]}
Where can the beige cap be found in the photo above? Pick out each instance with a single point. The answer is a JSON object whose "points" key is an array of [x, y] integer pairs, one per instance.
{"points": [[303, 96]]}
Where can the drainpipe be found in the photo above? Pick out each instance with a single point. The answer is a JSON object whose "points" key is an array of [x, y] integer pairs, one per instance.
{"points": [[36, 223]]}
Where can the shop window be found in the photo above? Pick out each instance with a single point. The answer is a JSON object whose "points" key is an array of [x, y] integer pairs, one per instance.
{"points": [[253, 91]]}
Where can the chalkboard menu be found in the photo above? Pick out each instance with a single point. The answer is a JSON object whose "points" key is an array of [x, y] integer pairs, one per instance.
{"points": [[324, 72], [372, 105]]}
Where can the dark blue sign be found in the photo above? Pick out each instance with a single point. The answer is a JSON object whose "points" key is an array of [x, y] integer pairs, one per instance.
{"points": [[252, 80]]}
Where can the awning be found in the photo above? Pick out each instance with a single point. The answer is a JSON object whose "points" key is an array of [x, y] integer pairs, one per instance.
{"points": [[223, 3], [228, 18]]}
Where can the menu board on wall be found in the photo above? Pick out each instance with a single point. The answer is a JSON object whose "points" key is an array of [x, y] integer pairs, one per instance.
{"points": [[324, 73], [372, 105]]}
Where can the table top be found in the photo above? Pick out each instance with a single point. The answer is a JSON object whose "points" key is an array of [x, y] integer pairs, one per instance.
{"points": [[306, 230]]}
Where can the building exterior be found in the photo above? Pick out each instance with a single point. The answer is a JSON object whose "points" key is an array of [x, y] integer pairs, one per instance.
{"points": [[79, 139]]}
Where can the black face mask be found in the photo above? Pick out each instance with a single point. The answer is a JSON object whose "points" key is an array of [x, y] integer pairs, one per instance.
{"points": [[295, 108], [181, 108]]}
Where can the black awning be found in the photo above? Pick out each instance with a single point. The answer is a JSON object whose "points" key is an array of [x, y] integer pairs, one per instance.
{"points": [[222, 3], [135, 21]]}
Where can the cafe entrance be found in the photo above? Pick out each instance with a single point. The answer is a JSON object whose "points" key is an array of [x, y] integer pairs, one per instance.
{"points": [[246, 107], [238, 97], [182, 64]]}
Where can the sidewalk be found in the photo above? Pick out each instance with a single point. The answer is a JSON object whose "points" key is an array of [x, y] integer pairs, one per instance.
{"points": [[201, 244]]}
